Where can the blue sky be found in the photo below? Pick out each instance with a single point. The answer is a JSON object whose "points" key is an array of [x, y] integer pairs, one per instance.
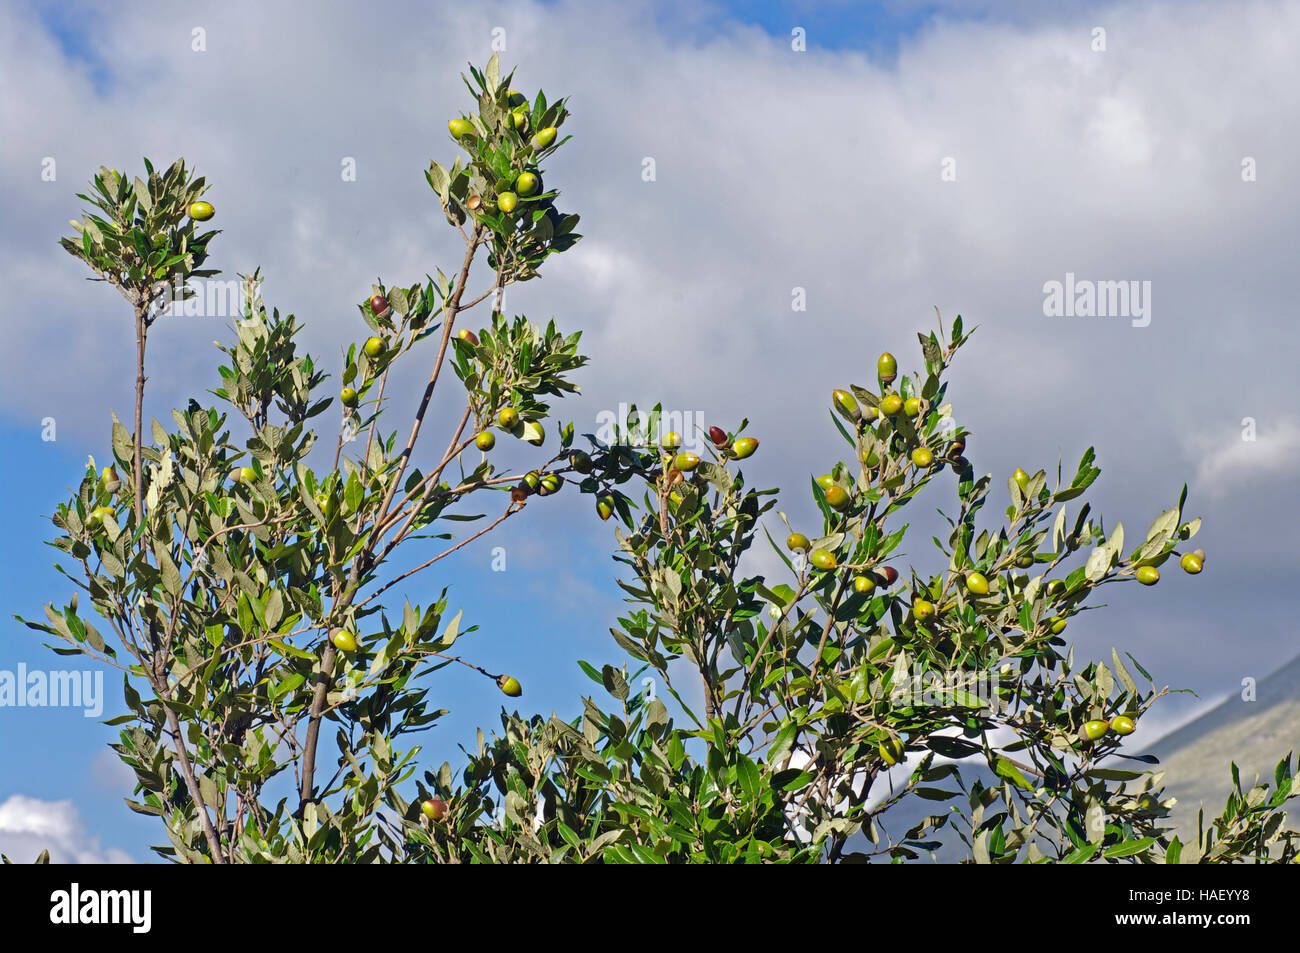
{"points": [[777, 170]]}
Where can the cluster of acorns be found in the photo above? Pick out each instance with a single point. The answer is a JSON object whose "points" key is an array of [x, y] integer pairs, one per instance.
{"points": [[865, 583], [1099, 728], [525, 183], [677, 462], [889, 407], [374, 348]]}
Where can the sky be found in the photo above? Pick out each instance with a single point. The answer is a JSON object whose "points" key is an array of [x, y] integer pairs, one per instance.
{"points": [[872, 161]]}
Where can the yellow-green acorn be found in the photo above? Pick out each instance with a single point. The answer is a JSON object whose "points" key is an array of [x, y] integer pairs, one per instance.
{"points": [[864, 585], [846, 404], [1093, 730], [822, 559], [510, 686], [837, 498]]}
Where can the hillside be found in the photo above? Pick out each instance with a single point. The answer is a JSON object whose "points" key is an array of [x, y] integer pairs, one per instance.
{"points": [[1255, 734]]}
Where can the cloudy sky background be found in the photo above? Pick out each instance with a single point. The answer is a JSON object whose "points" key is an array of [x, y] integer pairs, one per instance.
{"points": [[775, 170]]}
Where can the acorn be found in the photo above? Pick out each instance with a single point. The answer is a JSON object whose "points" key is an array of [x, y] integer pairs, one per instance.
{"points": [[886, 367], [1092, 730], [109, 479], [744, 447], [1123, 725], [822, 559], [864, 585], [510, 686], [891, 751], [846, 404], [837, 498]]}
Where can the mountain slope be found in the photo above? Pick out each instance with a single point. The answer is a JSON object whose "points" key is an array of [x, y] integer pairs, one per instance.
{"points": [[1255, 734]]}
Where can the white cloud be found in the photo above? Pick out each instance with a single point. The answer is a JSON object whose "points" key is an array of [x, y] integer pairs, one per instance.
{"points": [[29, 826], [1228, 461], [110, 773]]}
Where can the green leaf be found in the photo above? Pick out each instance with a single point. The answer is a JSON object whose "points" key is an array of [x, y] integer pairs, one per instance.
{"points": [[614, 682], [1129, 848], [450, 633], [748, 776], [1081, 855], [1005, 769]]}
